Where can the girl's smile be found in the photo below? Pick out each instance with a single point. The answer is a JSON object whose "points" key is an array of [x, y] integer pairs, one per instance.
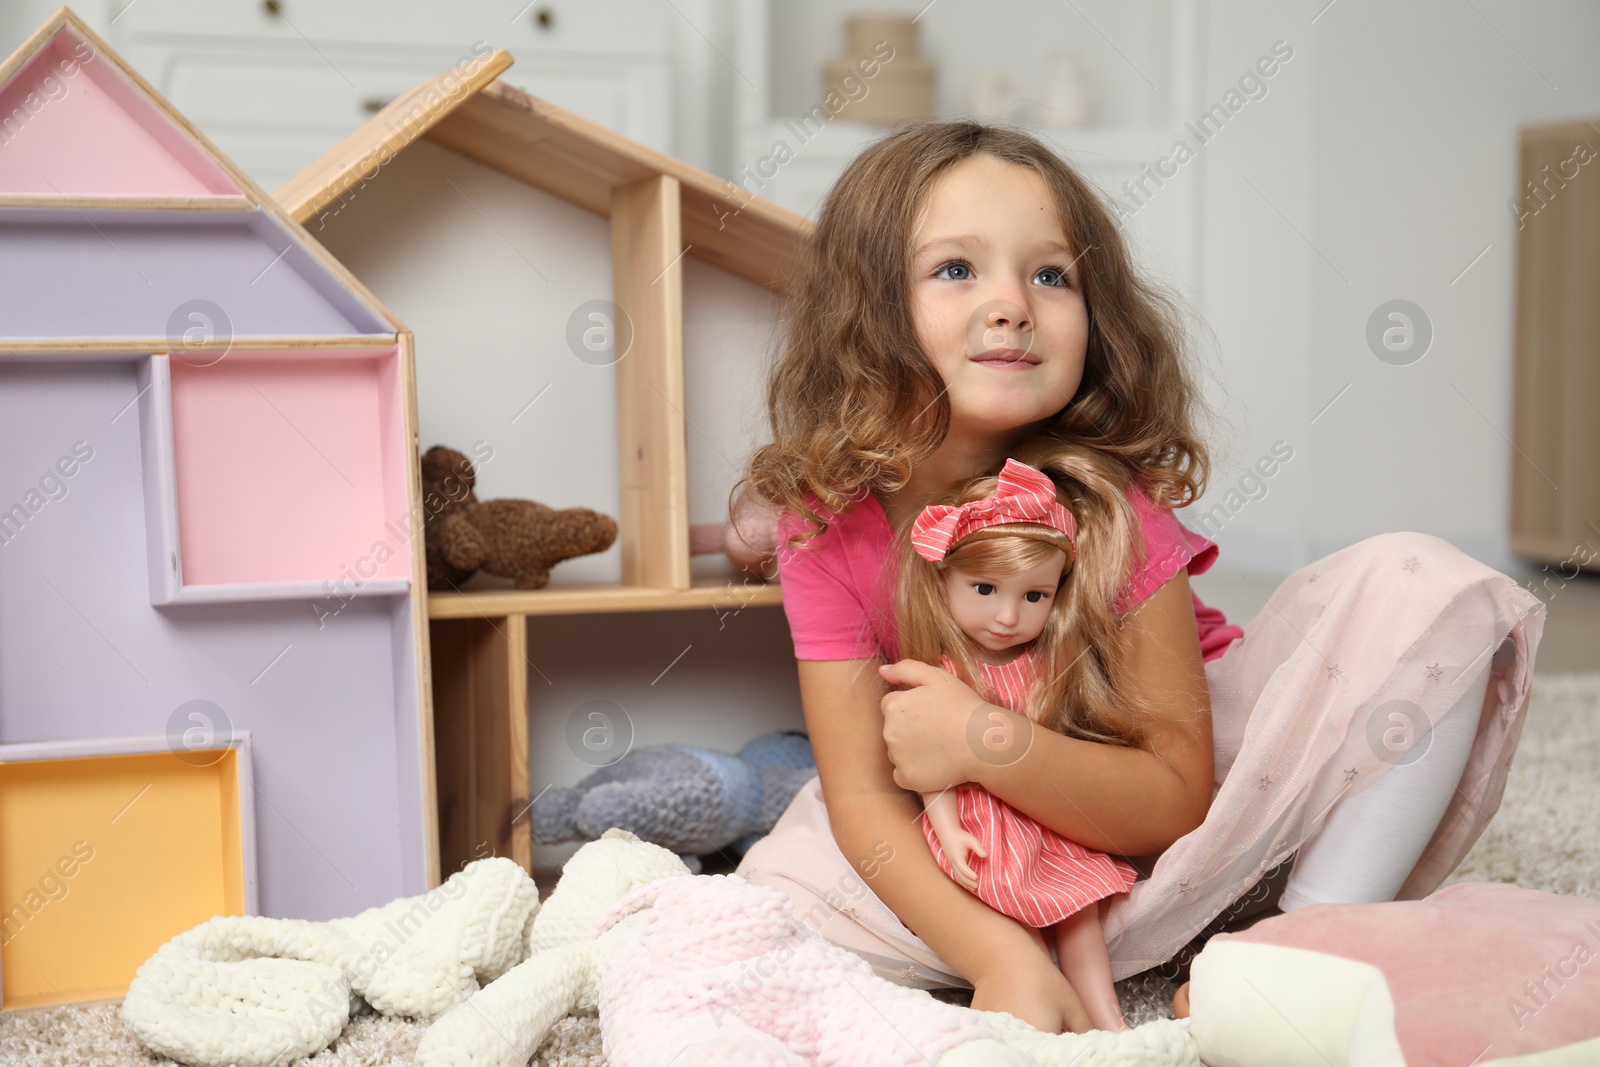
{"points": [[1007, 359]]}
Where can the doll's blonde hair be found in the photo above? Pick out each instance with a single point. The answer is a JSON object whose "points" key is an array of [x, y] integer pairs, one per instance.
{"points": [[1079, 689]]}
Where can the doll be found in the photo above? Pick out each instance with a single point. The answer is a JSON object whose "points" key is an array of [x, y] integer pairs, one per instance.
{"points": [[997, 566]]}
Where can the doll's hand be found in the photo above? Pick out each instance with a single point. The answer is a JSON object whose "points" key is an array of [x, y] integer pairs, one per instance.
{"points": [[957, 850], [926, 724]]}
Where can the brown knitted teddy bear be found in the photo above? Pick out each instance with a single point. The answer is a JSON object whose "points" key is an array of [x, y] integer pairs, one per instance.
{"points": [[511, 538]]}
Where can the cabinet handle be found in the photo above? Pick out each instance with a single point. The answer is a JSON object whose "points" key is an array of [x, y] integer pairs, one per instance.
{"points": [[375, 104], [544, 18], [273, 8]]}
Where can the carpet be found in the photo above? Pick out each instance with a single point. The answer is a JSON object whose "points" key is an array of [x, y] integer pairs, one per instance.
{"points": [[1543, 837]]}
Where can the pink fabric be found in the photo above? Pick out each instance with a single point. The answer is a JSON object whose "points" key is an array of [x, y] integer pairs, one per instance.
{"points": [[837, 587], [1475, 965], [727, 969], [1029, 872]]}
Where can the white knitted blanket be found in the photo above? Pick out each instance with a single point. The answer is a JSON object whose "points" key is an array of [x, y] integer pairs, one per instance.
{"points": [[256, 991], [495, 970]]}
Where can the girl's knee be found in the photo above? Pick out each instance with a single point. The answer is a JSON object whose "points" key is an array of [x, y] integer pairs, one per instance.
{"points": [[1386, 551], [1407, 543]]}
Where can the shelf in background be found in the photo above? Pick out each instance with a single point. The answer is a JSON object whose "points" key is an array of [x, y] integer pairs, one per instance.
{"points": [[601, 597], [116, 202], [843, 140]]}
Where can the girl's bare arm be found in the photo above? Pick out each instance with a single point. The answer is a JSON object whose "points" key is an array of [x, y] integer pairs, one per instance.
{"points": [[878, 825], [1126, 801]]}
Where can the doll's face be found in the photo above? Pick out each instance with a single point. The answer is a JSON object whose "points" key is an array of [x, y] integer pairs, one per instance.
{"points": [[998, 613], [997, 297]]}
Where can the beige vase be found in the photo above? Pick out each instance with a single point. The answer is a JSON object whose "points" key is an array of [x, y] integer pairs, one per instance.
{"points": [[902, 86]]}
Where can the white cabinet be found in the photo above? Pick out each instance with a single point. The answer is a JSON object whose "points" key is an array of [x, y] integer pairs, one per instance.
{"points": [[275, 83]]}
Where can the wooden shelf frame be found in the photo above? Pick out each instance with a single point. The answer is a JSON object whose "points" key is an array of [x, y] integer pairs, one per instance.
{"points": [[128, 203], [660, 210], [599, 598]]}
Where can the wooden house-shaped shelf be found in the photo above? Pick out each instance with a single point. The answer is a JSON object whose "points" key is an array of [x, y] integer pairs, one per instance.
{"points": [[209, 424], [660, 212]]}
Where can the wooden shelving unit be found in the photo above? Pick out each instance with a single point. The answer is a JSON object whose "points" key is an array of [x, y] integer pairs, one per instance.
{"points": [[1555, 493], [250, 410], [660, 210]]}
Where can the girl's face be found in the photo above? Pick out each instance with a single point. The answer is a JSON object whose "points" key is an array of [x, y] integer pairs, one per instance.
{"points": [[1000, 612], [997, 297]]}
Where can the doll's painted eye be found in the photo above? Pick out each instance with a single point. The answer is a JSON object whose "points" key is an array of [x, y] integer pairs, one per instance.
{"points": [[984, 588], [1034, 596]]}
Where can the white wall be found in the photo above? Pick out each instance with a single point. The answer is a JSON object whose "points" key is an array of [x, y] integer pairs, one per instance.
{"points": [[1389, 144]]}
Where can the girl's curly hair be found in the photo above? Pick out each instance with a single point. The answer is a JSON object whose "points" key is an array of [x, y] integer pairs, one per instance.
{"points": [[855, 404]]}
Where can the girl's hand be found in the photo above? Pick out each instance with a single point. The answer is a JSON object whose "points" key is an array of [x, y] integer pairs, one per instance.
{"points": [[926, 726], [956, 851]]}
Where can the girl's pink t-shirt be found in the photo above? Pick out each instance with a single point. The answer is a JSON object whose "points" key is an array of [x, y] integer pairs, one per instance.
{"points": [[837, 587]]}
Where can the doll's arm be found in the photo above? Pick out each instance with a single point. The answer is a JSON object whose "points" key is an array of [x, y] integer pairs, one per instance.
{"points": [[944, 814]]}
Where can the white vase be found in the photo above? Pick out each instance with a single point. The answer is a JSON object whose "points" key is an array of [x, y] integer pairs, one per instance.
{"points": [[1069, 96], [994, 96]]}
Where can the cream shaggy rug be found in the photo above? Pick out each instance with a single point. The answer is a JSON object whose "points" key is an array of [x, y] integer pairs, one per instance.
{"points": [[1543, 837]]}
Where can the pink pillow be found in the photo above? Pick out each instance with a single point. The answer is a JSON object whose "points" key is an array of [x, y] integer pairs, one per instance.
{"points": [[1475, 973]]}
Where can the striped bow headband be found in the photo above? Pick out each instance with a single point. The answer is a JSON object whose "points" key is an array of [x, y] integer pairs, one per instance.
{"points": [[1023, 495]]}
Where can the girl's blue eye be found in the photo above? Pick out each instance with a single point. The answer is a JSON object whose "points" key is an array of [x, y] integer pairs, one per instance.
{"points": [[1059, 276], [984, 588]]}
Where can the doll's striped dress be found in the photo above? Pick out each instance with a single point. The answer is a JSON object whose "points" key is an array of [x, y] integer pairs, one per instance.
{"points": [[1031, 873]]}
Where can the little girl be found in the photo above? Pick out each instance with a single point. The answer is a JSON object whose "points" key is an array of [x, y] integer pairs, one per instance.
{"points": [[967, 296], [990, 569]]}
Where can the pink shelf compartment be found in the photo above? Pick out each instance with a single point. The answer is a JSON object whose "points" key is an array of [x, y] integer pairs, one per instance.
{"points": [[275, 476]]}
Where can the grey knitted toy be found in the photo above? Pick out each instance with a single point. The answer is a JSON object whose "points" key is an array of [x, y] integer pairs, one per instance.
{"points": [[694, 801]]}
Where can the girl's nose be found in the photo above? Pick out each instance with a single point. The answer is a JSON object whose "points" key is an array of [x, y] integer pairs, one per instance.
{"points": [[1010, 316], [1000, 323], [1007, 325]]}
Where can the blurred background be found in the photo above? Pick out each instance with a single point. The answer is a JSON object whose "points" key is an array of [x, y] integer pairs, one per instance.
{"points": [[1342, 223]]}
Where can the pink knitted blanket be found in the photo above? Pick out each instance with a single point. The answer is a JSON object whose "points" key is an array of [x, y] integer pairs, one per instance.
{"points": [[723, 965]]}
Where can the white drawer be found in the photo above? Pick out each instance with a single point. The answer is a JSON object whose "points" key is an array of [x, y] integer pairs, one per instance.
{"points": [[269, 89], [641, 27], [267, 106]]}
